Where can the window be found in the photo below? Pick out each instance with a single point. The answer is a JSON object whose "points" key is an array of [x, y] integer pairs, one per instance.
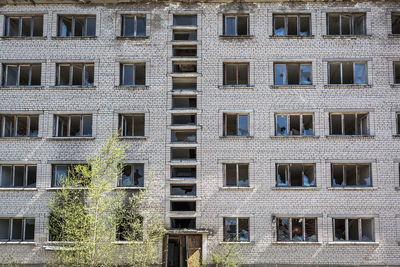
{"points": [[236, 230], [346, 24], [73, 125], [236, 175], [131, 124], [183, 205], [184, 102], [183, 172], [183, 223], [75, 74], [17, 229], [296, 229], [349, 124], [345, 175], [185, 20], [133, 26], [293, 73], [19, 176], [130, 227], [183, 153], [19, 125], [398, 123], [295, 174], [184, 51], [294, 125], [61, 171], [184, 83], [183, 190], [181, 67], [395, 23], [132, 175], [236, 124], [396, 72], [133, 74], [183, 136], [292, 25], [236, 25], [186, 119], [353, 229], [25, 26], [182, 35], [76, 26], [22, 74], [236, 74], [348, 73]]}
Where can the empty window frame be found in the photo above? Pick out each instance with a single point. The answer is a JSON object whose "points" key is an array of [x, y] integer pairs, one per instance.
{"points": [[347, 73], [19, 176], [75, 74], [183, 119], [183, 136], [236, 174], [131, 124], [236, 74], [133, 26], [236, 25], [292, 73], [76, 26], [183, 172], [24, 26], [73, 125], [294, 125], [22, 74], [236, 230], [133, 74], [17, 229], [184, 83], [347, 175], [346, 24], [396, 72], [353, 229], [184, 51], [349, 124], [184, 102], [292, 25], [295, 174], [183, 205], [236, 124], [132, 175], [61, 171], [129, 227], [395, 23], [19, 125], [183, 153], [185, 20], [296, 229], [183, 190], [186, 66], [398, 123], [184, 35], [183, 223]]}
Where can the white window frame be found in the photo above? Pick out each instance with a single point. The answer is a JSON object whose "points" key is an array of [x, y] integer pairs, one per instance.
{"points": [[26, 169], [352, 23], [288, 123], [286, 16], [289, 176], [6, 66], [357, 165], [236, 24], [57, 118], [135, 16], [73, 18]]}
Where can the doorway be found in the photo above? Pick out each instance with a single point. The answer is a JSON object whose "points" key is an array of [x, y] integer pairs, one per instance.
{"points": [[183, 250]]}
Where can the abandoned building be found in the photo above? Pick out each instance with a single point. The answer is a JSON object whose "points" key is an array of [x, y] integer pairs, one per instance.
{"points": [[271, 124]]}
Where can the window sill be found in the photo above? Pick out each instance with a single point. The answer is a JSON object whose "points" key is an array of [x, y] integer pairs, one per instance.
{"points": [[22, 87], [132, 37], [395, 85], [349, 243], [249, 87], [295, 188], [364, 36], [183, 161], [236, 137], [300, 243], [291, 37], [184, 42], [396, 136], [295, 137], [293, 86], [237, 36], [132, 137], [188, 27], [19, 189], [238, 188], [129, 188], [74, 38], [31, 243], [61, 188], [15, 138], [184, 74], [347, 86], [71, 138], [353, 188], [70, 87], [23, 38], [127, 242], [350, 136], [236, 243], [393, 36], [131, 87]]}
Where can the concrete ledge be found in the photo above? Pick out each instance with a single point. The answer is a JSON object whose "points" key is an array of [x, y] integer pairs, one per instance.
{"points": [[237, 243], [395, 85], [241, 87], [347, 86], [129, 188], [132, 37], [30, 243], [228, 37], [131, 87], [295, 137], [19, 189], [236, 137], [132, 137], [353, 243], [239, 188], [350, 136], [355, 188], [292, 37], [293, 86], [21, 38], [367, 36], [294, 243], [70, 87], [176, 27], [74, 38], [70, 138], [22, 138], [296, 188], [21, 87], [393, 36]]}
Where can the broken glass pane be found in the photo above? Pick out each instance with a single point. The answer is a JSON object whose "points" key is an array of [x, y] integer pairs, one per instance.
{"points": [[279, 26], [365, 179], [283, 230], [183, 119], [138, 175], [280, 74], [230, 175], [304, 26], [305, 74], [281, 125], [350, 174], [333, 24], [183, 136], [230, 25], [242, 24], [185, 20], [243, 230], [367, 232], [296, 174], [184, 83], [6, 176], [309, 179], [340, 229], [346, 24], [12, 75], [292, 25], [308, 125], [230, 229], [243, 175], [8, 126], [360, 73], [60, 174], [183, 190], [353, 230], [334, 73], [294, 121], [293, 73], [183, 172], [359, 24], [75, 126], [243, 125], [89, 75], [337, 175], [79, 26], [91, 26], [140, 26], [311, 230], [395, 23], [349, 124], [282, 175], [231, 124], [77, 72], [297, 229], [127, 125], [34, 126], [183, 154], [347, 70]]}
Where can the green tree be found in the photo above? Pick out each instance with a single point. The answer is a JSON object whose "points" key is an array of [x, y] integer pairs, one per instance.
{"points": [[226, 255]]}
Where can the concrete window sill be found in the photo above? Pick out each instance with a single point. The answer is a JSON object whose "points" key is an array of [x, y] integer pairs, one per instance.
{"points": [[133, 137], [351, 243], [239, 188], [347, 86], [190, 27], [296, 188], [394, 36], [353, 188], [395, 85], [298, 243], [22, 87], [74, 38], [132, 37], [295, 137], [60, 188], [293, 86], [396, 136], [127, 242], [292, 37], [19, 189], [236, 137], [30, 243], [24, 38], [350, 136], [24, 138], [68, 87], [241, 87], [131, 87], [237, 243], [237, 36], [129, 188], [80, 138], [184, 74], [364, 36]]}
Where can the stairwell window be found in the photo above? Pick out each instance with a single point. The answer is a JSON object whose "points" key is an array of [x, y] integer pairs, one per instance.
{"points": [[236, 124], [133, 26], [23, 75], [18, 176], [347, 175], [346, 24], [76, 26], [236, 74], [296, 229], [236, 25], [295, 174], [24, 26], [17, 229], [236, 230], [77, 74], [293, 73], [353, 229], [73, 125], [19, 125], [348, 73], [292, 25]]}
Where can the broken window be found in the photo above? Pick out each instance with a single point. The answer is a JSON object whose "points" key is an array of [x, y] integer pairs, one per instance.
{"points": [[349, 124], [236, 74], [76, 26], [184, 172], [186, 66], [236, 25], [395, 23], [72, 125], [22, 74], [183, 223], [346, 24], [292, 73], [75, 74], [236, 124], [19, 125], [133, 25], [129, 226], [183, 136], [19, 176], [187, 119], [185, 20], [236, 175], [183, 190], [184, 51], [133, 74], [131, 124], [26, 26], [296, 229], [184, 102], [181, 35], [132, 175], [183, 153], [295, 174], [353, 229], [396, 72], [351, 175], [292, 25], [236, 230], [60, 172], [183, 205], [17, 229], [184, 83], [294, 124]]}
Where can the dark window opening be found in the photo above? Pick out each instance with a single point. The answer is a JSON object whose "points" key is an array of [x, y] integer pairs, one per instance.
{"points": [[133, 26], [183, 205], [76, 26], [17, 229], [236, 175], [132, 175], [73, 126], [130, 227], [351, 175], [60, 172], [19, 126], [184, 51], [184, 102], [185, 20], [236, 230], [183, 119], [183, 153], [187, 136], [180, 67], [301, 124], [349, 124], [236, 74], [395, 23], [293, 74], [179, 35], [396, 68], [183, 172], [398, 123], [24, 26], [346, 24], [132, 124], [133, 74], [295, 175], [183, 190], [236, 25], [183, 223], [353, 229], [17, 176], [75, 75], [296, 229], [22, 75], [184, 83], [292, 25], [236, 125]]}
